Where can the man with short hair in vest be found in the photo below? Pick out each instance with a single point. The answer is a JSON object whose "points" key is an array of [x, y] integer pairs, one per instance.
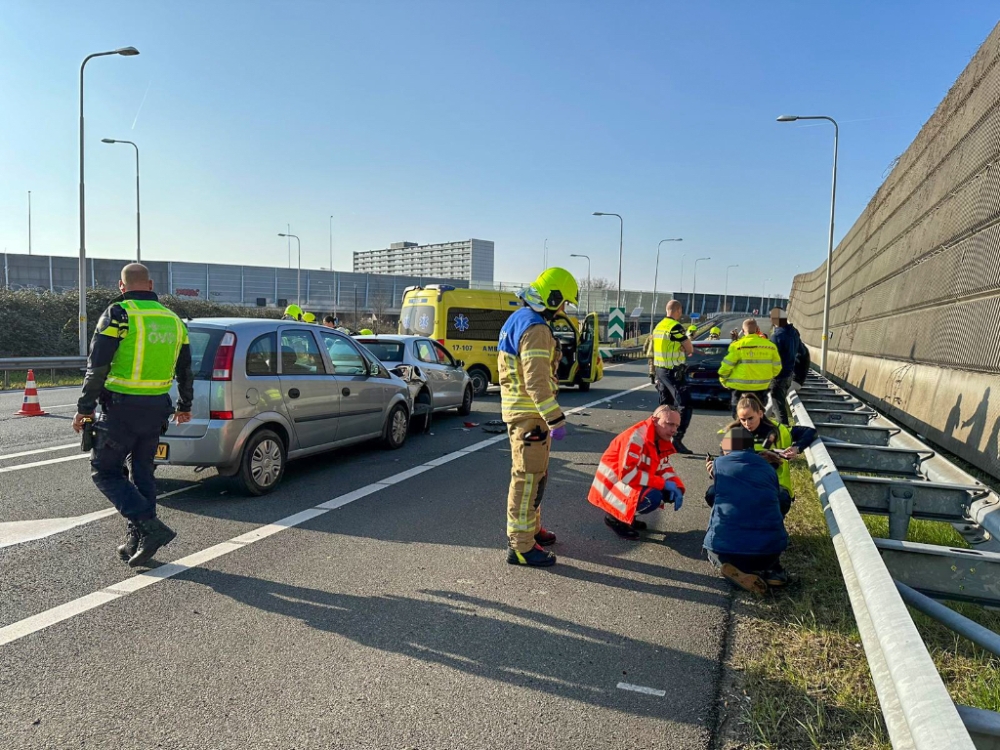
{"points": [[138, 348], [671, 348], [635, 475]]}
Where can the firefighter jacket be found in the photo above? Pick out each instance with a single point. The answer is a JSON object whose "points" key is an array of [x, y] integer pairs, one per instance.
{"points": [[528, 356], [750, 365], [635, 460], [668, 336]]}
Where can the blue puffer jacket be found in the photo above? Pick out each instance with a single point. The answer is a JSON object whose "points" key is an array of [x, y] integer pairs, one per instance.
{"points": [[746, 518]]}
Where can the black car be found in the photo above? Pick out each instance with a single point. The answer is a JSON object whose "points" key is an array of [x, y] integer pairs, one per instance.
{"points": [[703, 371]]}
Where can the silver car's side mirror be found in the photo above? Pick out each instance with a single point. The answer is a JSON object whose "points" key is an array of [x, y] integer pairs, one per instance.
{"points": [[374, 370]]}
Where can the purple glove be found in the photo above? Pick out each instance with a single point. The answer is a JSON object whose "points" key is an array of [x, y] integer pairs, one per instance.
{"points": [[558, 433]]}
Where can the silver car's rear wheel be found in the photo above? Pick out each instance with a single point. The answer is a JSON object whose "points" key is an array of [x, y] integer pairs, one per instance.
{"points": [[263, 463]]}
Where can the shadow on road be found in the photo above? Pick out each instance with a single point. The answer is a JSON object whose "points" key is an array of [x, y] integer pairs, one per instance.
{"points": [[512, 645]]}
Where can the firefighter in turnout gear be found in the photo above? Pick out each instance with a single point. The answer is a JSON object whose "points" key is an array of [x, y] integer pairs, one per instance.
{"points": [[528, 358], [138, 348], [671, 348]]}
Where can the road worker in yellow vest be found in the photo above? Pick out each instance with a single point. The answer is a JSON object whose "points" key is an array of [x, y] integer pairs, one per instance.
{"points": [[750, 365], [528, 360], [671, 348], [138, 348]]}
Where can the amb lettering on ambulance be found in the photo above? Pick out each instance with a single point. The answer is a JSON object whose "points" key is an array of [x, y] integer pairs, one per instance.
{"points": [[468, 323]]}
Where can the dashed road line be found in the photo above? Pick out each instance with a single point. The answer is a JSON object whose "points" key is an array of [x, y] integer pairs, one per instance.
{"points": [[17, 630], [39, 450], [641, 689], [32, 465]]}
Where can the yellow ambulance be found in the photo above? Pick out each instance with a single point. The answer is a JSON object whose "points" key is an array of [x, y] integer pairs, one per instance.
{"points": [[468, 322]]}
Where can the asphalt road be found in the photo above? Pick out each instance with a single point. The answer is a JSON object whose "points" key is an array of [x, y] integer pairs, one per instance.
{"points": [[388, 619]]}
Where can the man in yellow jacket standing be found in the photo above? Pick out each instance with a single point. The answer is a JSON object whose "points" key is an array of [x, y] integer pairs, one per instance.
{"points": [[528, 357], [750, 365]]}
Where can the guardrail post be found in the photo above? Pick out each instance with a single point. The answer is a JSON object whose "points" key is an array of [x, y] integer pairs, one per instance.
{"points": [[900, 512]]}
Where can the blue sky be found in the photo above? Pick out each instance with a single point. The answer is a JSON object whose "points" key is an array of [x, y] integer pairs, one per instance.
{"points": [[439, 120]]}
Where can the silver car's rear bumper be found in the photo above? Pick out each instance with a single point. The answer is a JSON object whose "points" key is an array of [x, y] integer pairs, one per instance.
{"points": [[219, 446]]}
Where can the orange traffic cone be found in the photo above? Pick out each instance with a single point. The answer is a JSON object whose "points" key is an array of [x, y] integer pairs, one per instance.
{"points": [[30, 406]]}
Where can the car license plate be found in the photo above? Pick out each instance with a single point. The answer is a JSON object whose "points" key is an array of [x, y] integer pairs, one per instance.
{"points": [[162, 451]]}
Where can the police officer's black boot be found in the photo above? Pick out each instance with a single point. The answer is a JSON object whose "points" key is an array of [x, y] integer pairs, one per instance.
{"points": [[153, 534], [680, 447], [131, 543]]}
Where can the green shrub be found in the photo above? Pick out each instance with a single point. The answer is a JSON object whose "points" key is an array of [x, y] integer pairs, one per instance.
{"points": [[44, 324]]}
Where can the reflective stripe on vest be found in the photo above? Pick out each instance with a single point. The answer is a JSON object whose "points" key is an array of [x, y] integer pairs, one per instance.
{"points": [[146, 358], [667, 354], [783, 469], [749, 364]]}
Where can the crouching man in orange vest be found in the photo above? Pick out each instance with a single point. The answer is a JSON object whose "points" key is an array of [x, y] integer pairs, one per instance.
{"points": [[635, 475]]}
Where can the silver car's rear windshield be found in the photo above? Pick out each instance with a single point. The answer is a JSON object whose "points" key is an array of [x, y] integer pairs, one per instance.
{"points": [[386, 351], [204, 342]]}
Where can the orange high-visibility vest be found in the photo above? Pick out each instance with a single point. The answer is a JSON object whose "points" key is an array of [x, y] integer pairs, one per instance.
{"points": [[634, 461]]}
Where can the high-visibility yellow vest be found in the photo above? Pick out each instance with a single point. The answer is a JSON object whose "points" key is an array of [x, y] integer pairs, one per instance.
{"points": [[750, 365], [783, 469], [147, 351], [667, 353]]}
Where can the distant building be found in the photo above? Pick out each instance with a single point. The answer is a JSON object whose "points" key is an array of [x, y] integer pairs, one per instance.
{"points": [[471, 260]]}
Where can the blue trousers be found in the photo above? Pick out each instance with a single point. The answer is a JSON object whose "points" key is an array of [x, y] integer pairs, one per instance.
{"points": [[130, 425]]}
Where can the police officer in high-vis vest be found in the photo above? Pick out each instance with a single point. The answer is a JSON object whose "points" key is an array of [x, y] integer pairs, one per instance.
{"points": [[528, 358], [671, 348], [750, 365], [138, 348]]}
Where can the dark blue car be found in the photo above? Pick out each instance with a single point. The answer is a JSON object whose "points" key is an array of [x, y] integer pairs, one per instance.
{"points": [[703, 371]]}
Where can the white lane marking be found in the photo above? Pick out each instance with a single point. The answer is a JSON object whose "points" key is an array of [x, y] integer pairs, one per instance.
{"points": [[40, 450], [33, 624], [641, 689], [21, 467], [19, 532], [59, 406]]}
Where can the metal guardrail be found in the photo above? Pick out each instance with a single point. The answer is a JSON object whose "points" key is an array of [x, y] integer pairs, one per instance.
{"points": [[17, 364], [903, 478]]}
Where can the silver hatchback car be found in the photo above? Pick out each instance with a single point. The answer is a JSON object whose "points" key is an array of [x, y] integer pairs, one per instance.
{"points": [[267, 391], [445, 383]]}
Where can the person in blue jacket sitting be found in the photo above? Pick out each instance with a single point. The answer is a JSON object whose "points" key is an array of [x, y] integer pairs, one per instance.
{"points": [[746, 532]]}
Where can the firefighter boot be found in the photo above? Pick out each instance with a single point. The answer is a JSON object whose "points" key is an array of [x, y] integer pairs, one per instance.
{"points": [[545, 538], [131, 542], [153, 534], [535, 557]]}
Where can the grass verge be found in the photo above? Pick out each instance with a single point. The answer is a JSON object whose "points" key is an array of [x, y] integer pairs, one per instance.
{"points": [[43, 378], [799, 658]]}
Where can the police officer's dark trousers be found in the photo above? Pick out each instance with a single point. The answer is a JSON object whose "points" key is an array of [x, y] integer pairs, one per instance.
{"points": [[130, 424], [674, 394]]}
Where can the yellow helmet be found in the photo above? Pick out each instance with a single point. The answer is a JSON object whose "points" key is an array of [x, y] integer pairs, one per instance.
{"points": [[294, 312], [366, 332], [552, 287], [308, 317], [692, 328], [715, 330]]}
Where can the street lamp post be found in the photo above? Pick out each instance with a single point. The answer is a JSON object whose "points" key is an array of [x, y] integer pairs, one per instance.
{"points": [[576, 255], [762, 288], [621, 236], [331, 242], [656, 272], [545, 254], [829, 248], [694, 284], [298, 277], [725, 297], [138, 231], [124, 52], [29, 222]]}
